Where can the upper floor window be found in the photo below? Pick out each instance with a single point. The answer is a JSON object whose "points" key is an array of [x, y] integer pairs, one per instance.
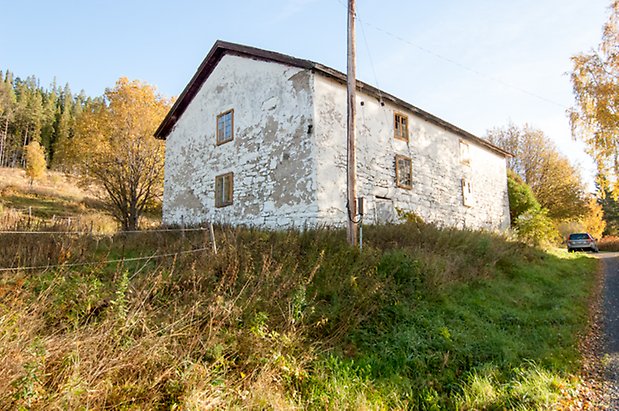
{"points": [[224, 185], [465, 153], [403, 172], [400, 126], [225, 127]]}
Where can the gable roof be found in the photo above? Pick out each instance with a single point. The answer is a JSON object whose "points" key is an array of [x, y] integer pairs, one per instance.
{"points": [[221, 48]]}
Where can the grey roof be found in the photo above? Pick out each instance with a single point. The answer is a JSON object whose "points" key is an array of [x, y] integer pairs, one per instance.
{"points": [[221, 48]]}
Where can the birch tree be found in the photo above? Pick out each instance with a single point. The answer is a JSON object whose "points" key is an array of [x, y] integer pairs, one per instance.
{"points": [[35, 161], [595, 117]]}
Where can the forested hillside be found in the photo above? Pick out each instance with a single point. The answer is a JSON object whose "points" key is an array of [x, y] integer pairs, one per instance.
{"points": [[53, 128], [31, 112]]}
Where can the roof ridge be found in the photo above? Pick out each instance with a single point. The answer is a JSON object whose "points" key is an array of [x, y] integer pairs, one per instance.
{"points": [[220, 48]]}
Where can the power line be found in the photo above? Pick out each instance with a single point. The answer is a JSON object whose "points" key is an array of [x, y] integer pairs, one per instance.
{"points": [[456, 63]]}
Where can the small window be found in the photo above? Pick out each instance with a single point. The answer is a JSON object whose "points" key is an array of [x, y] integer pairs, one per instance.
{"points": [[400, 126], [467, 193], [403, 172], [225, 127], [465, 154], [223, 189]]}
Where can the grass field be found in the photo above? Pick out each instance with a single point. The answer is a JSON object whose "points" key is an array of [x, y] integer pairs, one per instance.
{"points": [[55, 202], [424, 318]]}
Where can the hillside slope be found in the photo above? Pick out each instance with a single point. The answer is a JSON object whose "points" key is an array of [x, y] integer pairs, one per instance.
{"points": [[57, 202], [54, 202]]}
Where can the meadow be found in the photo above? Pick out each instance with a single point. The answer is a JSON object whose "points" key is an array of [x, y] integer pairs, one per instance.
{"points": [[423, 318]]}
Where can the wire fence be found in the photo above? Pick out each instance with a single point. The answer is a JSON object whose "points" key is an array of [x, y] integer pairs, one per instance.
{"points": [[38, 219], [161, 230], [53, 234], [117, 260]]}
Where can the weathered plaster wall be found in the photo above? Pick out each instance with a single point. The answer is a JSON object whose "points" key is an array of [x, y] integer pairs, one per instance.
{"points": [[271, 155], [436, 195]]}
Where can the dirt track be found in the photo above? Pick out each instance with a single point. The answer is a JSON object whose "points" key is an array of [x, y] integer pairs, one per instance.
{"points": [[611, 329]]}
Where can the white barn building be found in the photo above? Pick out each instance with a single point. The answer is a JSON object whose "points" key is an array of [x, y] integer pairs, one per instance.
{"points": [[259, 138]]}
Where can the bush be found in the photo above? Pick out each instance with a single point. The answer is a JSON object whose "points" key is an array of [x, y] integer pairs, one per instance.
{"points": [[35, 161], [528, 219], [536, 228], [521, 197]]}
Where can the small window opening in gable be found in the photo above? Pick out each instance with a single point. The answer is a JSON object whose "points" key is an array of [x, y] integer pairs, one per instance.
{"points": [[465, 153], [400, 126], [403, 172], [467, 193], [224, 185], [225, 127]]}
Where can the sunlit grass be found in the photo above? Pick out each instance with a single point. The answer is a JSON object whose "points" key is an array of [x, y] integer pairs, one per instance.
{"points": [[54, 203], [424, 318]]}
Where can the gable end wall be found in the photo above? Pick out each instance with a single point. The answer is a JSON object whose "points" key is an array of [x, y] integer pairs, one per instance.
{"points": [[271, 155]]}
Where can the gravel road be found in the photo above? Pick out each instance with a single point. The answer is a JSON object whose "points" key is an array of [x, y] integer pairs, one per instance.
{"points": [[611, 329]]}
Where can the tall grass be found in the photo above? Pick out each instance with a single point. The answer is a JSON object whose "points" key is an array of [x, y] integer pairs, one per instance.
{"points": [[609, 243], [423, 318], [39, 209], [57, 203]]}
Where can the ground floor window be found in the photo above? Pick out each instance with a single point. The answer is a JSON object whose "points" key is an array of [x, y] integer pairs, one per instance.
{"points": [[467, 193], [403, 172], [224, 185]]}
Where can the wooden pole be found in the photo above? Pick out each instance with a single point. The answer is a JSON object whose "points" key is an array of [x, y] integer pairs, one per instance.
{"points": [[350, 130], [212, 236]]}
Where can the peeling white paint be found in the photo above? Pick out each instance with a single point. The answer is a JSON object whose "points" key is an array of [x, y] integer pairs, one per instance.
{"points": [[288, 156], [271, 154], [436, 195]]}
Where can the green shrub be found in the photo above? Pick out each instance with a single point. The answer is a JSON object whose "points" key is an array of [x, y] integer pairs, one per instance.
{"points": [[536, 228], [528, 219], [521, 197]]}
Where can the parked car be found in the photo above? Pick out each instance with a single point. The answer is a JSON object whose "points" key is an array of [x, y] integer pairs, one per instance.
{"points": [[581, 242]]}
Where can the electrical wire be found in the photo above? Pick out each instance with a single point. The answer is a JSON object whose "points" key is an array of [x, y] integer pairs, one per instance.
{"points": [[456, 63]]}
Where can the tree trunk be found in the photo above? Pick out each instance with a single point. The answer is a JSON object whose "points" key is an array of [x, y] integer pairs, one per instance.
{"points": [[23, 149], [133, 215], [2, 141], [130, 217]]}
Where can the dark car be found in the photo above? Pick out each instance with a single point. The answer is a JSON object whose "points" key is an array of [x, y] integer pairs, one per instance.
{"points": [[581, 242]]}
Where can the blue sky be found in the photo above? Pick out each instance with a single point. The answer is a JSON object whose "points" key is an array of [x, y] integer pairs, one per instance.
{"points": [[474, 63]]}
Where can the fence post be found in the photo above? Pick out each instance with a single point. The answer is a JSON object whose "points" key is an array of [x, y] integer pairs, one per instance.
{"points": [[212, 235]]}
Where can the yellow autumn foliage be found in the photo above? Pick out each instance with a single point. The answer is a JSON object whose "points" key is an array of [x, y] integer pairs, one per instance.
{"points": [[595, 118], [593, 221], [35, 161], [115, 148]]}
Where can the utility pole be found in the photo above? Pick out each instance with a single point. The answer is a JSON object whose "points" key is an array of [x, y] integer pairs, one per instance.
{"points": [[351, 163]]}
